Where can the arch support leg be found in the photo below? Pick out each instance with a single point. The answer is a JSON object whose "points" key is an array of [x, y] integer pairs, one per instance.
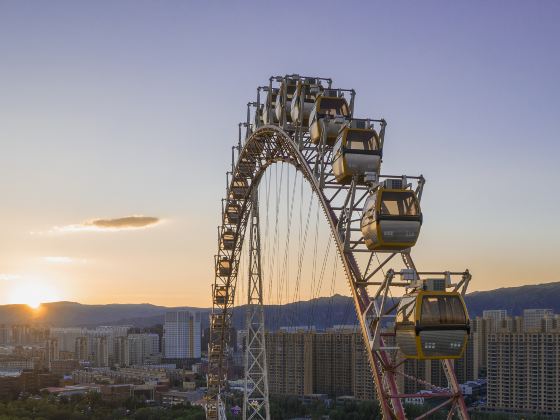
{"points": [[255, 397]]}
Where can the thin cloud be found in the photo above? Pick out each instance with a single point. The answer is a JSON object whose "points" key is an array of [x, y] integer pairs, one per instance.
{"points": [[111, 225], [62, 260]]}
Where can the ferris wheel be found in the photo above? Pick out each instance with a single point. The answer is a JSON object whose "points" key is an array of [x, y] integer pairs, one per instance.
{"points": [[372, 218]]}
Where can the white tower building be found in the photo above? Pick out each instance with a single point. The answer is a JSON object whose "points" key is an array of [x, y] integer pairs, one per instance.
{"points": [[181, 335]]}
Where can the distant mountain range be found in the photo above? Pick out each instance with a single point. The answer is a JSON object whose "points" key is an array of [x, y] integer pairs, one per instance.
{"points": [[322, 312]]}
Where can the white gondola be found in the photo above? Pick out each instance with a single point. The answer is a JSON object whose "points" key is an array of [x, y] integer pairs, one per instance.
{"points": [[284, 98], [269, 111], [329, 112], [391, 219], [304, 100], [356, 153]]}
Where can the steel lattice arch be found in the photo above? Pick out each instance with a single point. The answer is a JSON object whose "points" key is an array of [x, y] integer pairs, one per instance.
{"points": [[304, 139]]}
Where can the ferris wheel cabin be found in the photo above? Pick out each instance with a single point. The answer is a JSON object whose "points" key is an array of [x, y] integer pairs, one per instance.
{"points": [[269, 111], [432, 325], [246, 167], [223, 267], [239, 188], [331, 112], [357, 152], [228, 239], [232, 213], [391, 219], [304, 100], [284, 99]]}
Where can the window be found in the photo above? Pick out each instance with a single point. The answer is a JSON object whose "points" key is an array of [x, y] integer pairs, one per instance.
{"points": [[333, 107], [406, 310], [361, 140], [399, 203], [438, 310]]}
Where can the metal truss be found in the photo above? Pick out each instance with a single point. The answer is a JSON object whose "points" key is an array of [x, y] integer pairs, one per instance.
{"points": [[255, 396], [372, 287]]}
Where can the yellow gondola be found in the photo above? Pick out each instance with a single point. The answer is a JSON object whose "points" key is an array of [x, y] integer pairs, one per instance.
{"points": [[232, 213], [357, 151], [215, 353], [228, 239], [259, 120], [269, 111], [330, 111], [218, 321], [213, 380], [432, 325], [246, 167], [239, 188], [391, 219], [306, 91], [224, 267], [222, 296], [284, 105]]}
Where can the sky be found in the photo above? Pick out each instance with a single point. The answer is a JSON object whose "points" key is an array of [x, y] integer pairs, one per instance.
{"points": [[117, 120]]}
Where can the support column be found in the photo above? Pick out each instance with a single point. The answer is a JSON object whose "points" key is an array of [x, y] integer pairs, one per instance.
{"points": [[255, 398]]}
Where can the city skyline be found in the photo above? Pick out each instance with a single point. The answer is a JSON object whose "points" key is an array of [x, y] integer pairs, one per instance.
{"points": [[117, 121]]}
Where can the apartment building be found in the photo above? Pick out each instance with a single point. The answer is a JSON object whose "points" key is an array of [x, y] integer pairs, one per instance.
{"points": [[332, 362], [523, 363]]}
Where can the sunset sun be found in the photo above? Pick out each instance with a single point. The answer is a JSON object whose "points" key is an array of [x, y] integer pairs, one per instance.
{"points": [[32, 293]]}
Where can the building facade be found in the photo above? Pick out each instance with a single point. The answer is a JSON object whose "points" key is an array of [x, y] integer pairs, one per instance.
{"points": [[304, 363], [121, 351], [523, 364], [532, 318], [181, 335], [142, 348]]}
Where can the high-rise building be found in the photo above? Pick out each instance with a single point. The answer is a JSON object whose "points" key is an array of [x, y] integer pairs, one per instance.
{"points": [[20, 334], [51, 351], [532, 318], [307, 362], [5, 334], [332, 362], [496, 315], [524, 365], [241, 340], [362, 382], [142, 348], [120, 351], [84, 343], [111, 332], [181, 335], [290, 362], [81, 348], [480, 327], [100, 355], [67, 337]]}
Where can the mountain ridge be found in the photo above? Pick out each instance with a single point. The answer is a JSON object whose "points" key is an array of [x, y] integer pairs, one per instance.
{"points": [[322, 312]]}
